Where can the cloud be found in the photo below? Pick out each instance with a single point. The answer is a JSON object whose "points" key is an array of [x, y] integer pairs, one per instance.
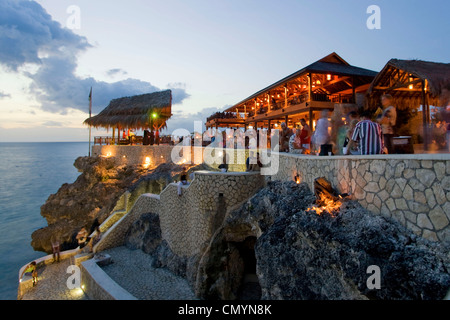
{"points": [[178, 92], [115, 72], [28, 32], [53, 124], [4, 95], [187, 121], [28, 35]]}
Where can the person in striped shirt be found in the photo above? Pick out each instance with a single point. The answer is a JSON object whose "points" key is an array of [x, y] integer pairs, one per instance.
{"points": [[368, 134]]}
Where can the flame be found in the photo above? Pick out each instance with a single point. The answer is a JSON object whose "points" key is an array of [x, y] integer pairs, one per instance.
{"points": [[328, 204], [147, 162]]}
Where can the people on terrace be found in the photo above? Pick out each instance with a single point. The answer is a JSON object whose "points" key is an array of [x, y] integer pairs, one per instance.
{"points": [[224, 165], [445, 103], [285, 135], [305, 136], [82, 238], [353, 147], [388, 120], [368, 134], [32, 270], [183, 180], [55, 249], [322, 135], [295, 142], [254, 164]]}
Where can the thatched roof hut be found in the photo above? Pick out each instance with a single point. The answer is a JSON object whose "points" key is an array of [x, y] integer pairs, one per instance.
{"points": [[414, 85], [407, 81], [150, 110]]}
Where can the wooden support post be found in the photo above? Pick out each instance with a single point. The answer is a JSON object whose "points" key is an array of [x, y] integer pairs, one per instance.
{"points": [[424, 118], [113, 135], [310, 87], [285, 95], [353, 90]]}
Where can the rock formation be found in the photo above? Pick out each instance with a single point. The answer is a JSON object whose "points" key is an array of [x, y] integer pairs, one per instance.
{"points": [[94, 195], [275, 247]]}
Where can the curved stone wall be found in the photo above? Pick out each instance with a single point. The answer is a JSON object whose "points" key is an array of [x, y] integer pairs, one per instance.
{"points": [[188, 221]]}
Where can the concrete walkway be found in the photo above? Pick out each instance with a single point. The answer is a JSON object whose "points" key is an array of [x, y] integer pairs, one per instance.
{"points": [[52, 284], [132, 270]]}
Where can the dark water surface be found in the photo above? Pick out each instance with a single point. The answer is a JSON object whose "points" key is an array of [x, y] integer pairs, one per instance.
{"points": [[29, 174]]}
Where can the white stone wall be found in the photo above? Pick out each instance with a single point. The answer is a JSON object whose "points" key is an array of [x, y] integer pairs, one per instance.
{"points": [[414, 189], [188, 221], [137, 154], [134, 154]]}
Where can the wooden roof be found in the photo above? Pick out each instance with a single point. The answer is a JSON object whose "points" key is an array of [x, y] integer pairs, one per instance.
{"points": [[135, 111], [437, 74], [331, 64], [404, 80]]}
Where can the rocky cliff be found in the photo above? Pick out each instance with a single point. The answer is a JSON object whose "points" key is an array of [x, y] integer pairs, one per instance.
{"points": [[94, 195], [274, 247]]}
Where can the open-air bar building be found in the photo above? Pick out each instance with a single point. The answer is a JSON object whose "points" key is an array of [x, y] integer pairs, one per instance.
{"points": [[326, 84]]}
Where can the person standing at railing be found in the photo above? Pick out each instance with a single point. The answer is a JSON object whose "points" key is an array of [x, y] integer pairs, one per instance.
{"points": [[322, 133], [295, 142], [305, 136], [368, 134], [285, 135], [183, 180], [55, 249], [445, 103], [31, 269], [388, 120]]}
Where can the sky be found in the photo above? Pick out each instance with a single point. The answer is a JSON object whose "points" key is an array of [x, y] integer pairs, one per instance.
{"points": [[210, 53]]}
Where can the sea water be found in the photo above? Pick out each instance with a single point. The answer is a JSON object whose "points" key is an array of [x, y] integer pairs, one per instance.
{"points": [[29, 174]]}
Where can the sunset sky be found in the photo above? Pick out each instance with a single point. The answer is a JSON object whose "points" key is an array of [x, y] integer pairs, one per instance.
{"points": [[212, 54]]}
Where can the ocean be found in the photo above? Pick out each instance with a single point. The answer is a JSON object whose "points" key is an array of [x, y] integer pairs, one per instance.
{"points": [[30, 173]]}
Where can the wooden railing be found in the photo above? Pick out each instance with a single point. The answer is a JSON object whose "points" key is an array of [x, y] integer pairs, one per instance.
{"points": [[110, 140]]}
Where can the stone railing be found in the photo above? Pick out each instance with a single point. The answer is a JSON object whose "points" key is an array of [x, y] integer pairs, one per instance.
{"points": [[153, 156], [139, 154], [414, 189]]}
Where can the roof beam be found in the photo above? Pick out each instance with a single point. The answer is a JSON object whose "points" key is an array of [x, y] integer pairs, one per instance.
{"points": [[398, 86]]}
